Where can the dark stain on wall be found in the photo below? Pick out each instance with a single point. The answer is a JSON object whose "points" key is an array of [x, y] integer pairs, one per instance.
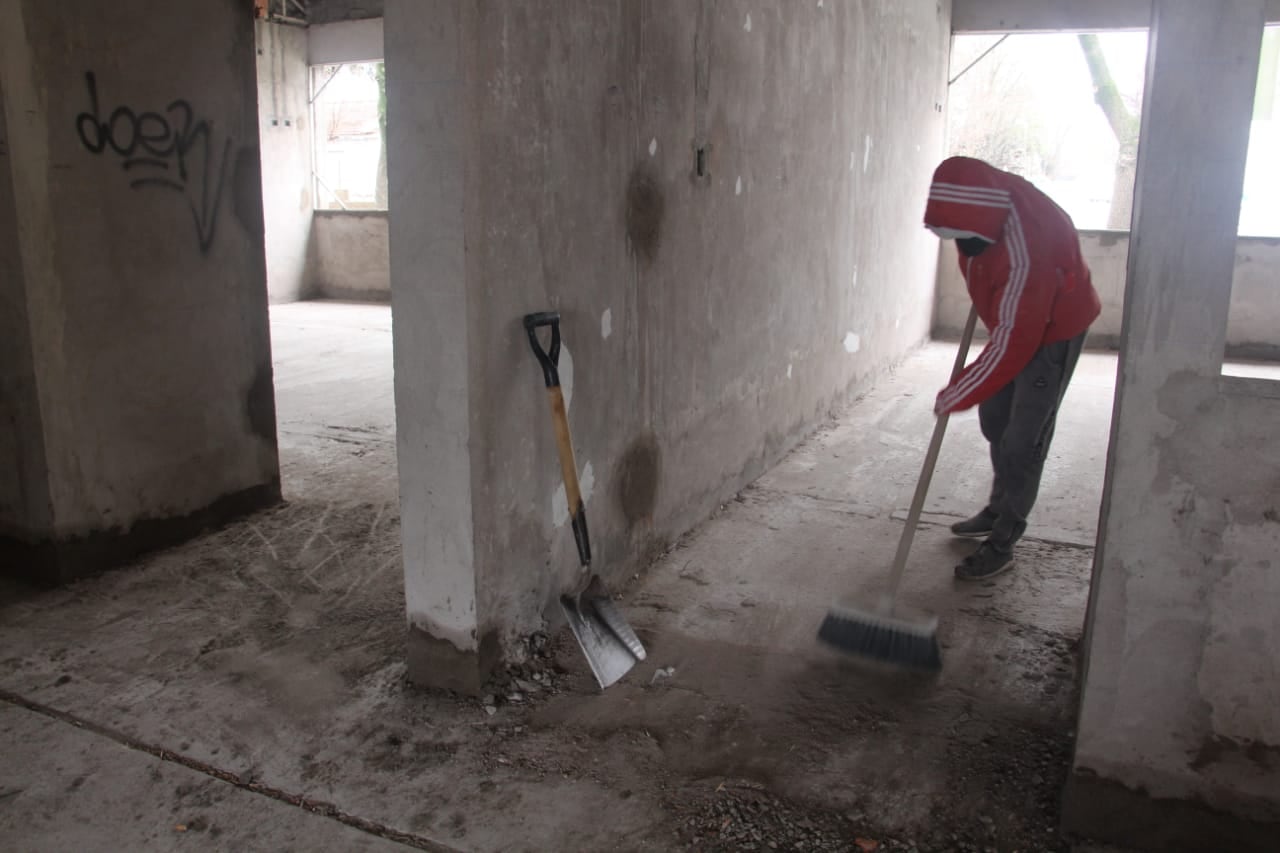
{"points": [[260, 405], [644, 213], [246, 194], [638, 477], [1217, 749]]}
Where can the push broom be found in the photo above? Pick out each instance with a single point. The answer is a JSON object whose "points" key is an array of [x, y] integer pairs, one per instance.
{"points": [[887, 632]]}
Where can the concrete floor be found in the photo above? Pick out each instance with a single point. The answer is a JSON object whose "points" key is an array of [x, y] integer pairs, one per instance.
{"points": [[246, 691]]}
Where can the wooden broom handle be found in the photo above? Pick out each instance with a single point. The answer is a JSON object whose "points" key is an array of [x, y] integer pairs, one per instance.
{"points": [[926, 472]]}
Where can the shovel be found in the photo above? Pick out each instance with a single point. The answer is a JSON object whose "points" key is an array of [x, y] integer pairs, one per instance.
{"points": [[608, 642]]}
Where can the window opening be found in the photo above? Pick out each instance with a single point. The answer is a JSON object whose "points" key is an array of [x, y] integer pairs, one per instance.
{"points": [[349, 111]]}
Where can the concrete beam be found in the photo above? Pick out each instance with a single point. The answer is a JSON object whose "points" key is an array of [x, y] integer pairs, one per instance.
{"points": [[998, 16], [345, 41]]}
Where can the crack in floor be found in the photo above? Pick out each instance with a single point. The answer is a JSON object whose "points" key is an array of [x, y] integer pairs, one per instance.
{"points": [[317, 807]]}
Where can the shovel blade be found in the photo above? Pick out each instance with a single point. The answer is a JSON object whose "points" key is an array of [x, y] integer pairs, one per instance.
{"points": [[609, 644]]}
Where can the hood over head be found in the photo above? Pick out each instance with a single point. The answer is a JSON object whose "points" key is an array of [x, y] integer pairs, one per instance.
{"points": [[970, 197]]}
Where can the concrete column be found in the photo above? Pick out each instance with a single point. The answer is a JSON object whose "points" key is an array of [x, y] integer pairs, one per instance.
{"points": [[1177, 719], [432, 358], [137, 403]]}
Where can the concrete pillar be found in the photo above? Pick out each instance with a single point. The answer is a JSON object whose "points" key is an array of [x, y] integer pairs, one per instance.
{"points": [[1178, 732], [137, 402], [432, 356]]}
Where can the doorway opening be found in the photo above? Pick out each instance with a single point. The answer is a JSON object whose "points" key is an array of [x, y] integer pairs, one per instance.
{"points": [[322, 120]]}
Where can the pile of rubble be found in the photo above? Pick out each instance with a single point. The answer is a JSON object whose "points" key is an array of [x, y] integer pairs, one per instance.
{"points": [[529, 676]]}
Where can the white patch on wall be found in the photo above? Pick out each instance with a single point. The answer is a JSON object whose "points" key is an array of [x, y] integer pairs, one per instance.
{"points": [[852, 343], [819, 4], [566, 375], [737, 188], [560, 501], [866, 153], [747, 25], [855, 278], [606, 323], [653, 146], [897, 322], [853, 160], [789, 366]]}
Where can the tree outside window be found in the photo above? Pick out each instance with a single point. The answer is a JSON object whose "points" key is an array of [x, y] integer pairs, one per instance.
{"points": [[349, 104], [1064, 110]]}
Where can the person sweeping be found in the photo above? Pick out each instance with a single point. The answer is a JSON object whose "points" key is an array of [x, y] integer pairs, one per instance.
{"points": [[1021, 261]]}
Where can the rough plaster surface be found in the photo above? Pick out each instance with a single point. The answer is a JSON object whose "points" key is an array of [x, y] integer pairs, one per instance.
{"points": [[582, 127], [284, 122], [1180, 694], [1253, 328], [350, 258], [145, 304]]}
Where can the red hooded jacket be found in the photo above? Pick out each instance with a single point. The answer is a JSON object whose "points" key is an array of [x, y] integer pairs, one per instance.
{"points": [[1031, 287]]}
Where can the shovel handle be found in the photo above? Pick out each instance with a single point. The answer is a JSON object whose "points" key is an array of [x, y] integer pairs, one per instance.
{"points": [[549, 359]]}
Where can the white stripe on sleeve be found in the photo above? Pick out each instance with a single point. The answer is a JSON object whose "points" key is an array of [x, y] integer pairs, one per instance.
{"points": [[992, 356]]}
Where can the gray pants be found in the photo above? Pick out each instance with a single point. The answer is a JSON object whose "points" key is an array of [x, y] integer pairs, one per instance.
{"points": [[1018, 422]]}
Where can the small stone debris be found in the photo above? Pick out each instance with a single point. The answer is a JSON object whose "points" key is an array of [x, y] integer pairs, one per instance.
{"points": [[743, 816], [529, 674], [661, 673]]}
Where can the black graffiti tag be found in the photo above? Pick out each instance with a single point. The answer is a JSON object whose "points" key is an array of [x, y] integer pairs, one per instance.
{"points": [[159, 150]]}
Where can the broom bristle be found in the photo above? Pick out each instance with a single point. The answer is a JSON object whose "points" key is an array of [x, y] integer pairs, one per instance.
{"points": [[885, 638]]}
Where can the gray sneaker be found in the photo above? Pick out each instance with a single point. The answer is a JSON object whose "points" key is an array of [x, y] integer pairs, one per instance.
{"points": [[978, 527], [985, 563]]}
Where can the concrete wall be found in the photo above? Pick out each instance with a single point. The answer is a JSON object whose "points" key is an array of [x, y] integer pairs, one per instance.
{"points": [[1178, 742], [345, 41], [710, 322], [331, 11], [143, 281], [24, 499], [350, 258], [284, 120], [983, 16], [1253, 330]]}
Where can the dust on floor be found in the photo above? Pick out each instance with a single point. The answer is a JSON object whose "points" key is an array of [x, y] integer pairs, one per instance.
{"points": [[265, 661]]}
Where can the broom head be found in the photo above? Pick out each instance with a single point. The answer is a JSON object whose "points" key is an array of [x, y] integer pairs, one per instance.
{"points": [[884, 634]]}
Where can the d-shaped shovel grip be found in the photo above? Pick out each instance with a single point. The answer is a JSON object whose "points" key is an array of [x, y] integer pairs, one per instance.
{"points": [[549, 359]]}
